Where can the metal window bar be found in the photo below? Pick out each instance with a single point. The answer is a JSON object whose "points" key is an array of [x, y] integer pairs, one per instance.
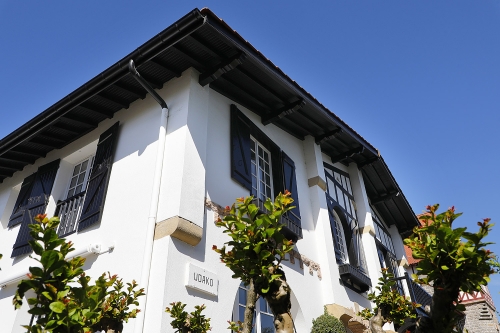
{"points": [[69, 211]]}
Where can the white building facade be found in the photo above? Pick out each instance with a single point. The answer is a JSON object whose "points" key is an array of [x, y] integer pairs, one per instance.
{"points": [[138, 188]]}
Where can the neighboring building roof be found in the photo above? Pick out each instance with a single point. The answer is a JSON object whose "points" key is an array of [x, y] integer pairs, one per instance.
{"points": [[409, 256], [232, 67]]}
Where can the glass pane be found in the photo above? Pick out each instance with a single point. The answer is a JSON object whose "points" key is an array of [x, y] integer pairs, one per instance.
{"points": [[71, 193], [344, 183], [81, 178], [340, 197], [84, 165], [76, 170], [337, 177], [331, 188], [242, 296], [73, 181], [78, 189], [266, 324], [266, 156], [263, 304], [349, 186], [261, 152], [266, 168]]}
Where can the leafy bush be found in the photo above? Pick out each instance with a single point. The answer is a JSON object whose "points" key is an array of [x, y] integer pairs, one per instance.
{"points": [[326, 323], [65, 302], [393, 306], [451, 260], [183, 321]]}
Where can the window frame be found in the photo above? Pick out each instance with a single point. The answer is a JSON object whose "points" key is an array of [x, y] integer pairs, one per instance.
{"points": [[242, 131], [88, 170], [256, 146], [258, 312]]}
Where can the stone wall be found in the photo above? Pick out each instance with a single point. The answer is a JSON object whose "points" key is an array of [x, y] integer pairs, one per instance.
{"points": [[481, 318]]}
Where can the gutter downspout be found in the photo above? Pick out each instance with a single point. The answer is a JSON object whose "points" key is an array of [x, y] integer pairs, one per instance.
{"points": [[153, 208]]}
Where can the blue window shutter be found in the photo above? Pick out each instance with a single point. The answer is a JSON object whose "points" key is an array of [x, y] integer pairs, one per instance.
{"points": [[290, 184], [22, 200], [99, 178], [240, 148], [41, 188]]}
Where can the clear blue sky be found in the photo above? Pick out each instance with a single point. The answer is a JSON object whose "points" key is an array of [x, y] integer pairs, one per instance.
{"points": [[420, 80]]}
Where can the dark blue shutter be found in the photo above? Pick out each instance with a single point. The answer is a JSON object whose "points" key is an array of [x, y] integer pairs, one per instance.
{"points": [[333, 228], [22, 200], [240, 149], [290, 184], [36, 203], [99, 178]]}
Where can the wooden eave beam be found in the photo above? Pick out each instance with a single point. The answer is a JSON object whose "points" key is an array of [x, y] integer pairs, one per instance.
{"points": [[47, 142], [28, 151], [201, 44], [283, 112], [328, 135], [368, 162], [385, 197], [13, 169], [81, 121], [183, 52], [166, 67], [152, 81], [264, 86], [65, 128], [221, 69], [5, 174], [21, 159], [115, 100], [137, 92], [243, 91], [98, 110], [15, 163], [349, 153]]}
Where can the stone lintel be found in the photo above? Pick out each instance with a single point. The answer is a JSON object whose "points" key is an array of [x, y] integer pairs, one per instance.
{"points": [[403, 263], [317, 180], [179, 228], [368, 229]]}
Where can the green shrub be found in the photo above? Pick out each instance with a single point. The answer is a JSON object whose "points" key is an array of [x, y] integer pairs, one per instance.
{"points": [[326, 323]]}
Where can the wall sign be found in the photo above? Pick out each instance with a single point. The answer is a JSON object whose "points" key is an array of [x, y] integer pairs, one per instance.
{"points": [[202, 280]]}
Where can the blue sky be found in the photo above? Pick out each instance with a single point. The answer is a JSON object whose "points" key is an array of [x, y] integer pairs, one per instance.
{"points": [[420, 80]]}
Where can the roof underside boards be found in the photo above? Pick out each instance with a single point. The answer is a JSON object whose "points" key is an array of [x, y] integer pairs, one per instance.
{"points": [[232, 67]]}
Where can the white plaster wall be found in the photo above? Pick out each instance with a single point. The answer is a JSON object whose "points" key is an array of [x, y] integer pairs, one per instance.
{"points": [[127, 203], [197, 164], [222, 190]]}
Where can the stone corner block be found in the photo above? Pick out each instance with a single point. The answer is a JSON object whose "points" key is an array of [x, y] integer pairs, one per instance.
{"points": [[179, 228]]}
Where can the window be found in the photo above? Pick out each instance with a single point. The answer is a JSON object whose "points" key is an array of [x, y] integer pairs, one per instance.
{"points": [[385, 248], [261, 171], [340, 237], [37, 188], [263, 318], [69, 210], [345, 231], [80, 177], [259, 165]]}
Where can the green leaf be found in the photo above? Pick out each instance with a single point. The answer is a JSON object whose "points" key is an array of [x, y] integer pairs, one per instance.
{"points": [[36, 271], [49, 258], [57, 307], [444, 268]]}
